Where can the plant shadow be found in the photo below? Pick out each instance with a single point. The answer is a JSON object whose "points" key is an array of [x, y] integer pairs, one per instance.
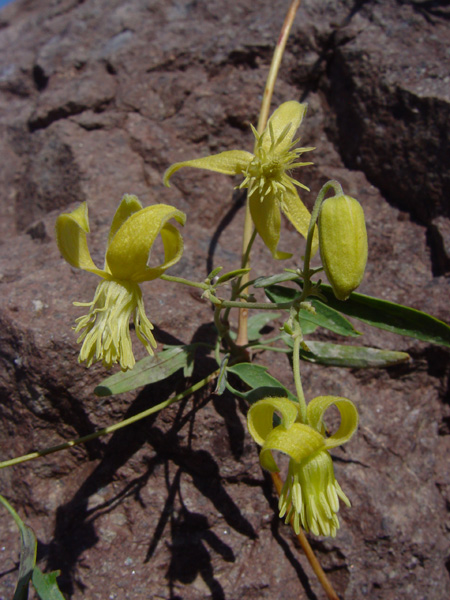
{"points": [[190, 532]]}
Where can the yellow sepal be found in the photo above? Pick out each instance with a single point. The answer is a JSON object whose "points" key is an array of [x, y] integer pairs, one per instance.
{"points": [[231, 162], [128, 253], [260, 416], [297, 442], [286, 119], [349, 418], [128, 206], [299, 215], [71, 229], [265, 213]]}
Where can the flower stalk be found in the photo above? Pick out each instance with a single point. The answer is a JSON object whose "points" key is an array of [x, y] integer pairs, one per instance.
{"points": [[306, 547]]}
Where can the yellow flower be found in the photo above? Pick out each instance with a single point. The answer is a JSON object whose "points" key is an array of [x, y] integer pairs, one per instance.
{"points": [[310, 495], [266, 175], [105, 329]]}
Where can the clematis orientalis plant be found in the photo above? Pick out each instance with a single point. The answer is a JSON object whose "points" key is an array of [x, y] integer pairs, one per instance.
{"points": [[105, 330], [266, 175], [310, 495]]}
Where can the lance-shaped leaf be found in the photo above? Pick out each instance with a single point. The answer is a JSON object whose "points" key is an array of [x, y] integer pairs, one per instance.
{"points": [[338, 355], [326, 316], [390, 316], [28, 546], [148, 370], [45, 585], [257, 322], [260, 381]]}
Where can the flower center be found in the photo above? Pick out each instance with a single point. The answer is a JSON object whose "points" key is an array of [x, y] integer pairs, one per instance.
{"points": [[311, 495]]}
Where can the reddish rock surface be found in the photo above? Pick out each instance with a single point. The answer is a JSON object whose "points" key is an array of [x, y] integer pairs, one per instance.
{"points": [[97, 98]]}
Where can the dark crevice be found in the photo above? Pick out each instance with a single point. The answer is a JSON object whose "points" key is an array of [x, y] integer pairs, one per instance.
{"points": [[430, 9], [237, 122], [110, 68], [440, 261], [62, 112], [40, 78], [248, 57]]}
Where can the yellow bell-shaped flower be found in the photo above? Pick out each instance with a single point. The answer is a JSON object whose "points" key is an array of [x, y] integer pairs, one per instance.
{"points": [[310, 495], [105, 329], [266, 175]]}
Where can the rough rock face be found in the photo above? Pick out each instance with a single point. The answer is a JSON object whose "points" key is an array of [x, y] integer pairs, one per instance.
{"points": [[97, 98]]}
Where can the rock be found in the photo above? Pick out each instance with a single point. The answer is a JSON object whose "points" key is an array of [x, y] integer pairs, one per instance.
{"points": [[97, 99]]}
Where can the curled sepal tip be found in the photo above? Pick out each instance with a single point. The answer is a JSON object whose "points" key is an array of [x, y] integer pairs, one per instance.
{"points": [[348, 413]]}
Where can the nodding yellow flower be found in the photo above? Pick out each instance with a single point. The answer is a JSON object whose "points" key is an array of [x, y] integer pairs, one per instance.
{"points": [[310, 495], [266, 175], [105, 329]]}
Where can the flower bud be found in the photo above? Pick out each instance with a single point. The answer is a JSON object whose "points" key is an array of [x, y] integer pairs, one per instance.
{"points": [[343, 243]]}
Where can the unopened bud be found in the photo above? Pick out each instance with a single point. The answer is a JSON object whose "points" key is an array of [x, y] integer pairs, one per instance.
{"points": [[343, 243]]}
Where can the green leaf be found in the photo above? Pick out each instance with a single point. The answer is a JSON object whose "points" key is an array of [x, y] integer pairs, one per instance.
{"points": [[188, 368], [280, 293], [389, 316], [148, 370], [258, 322], [45, 585], [273, 279], [306, 324], [326, 316], [325, 353], [222, 377], [262, 384], [28, 545], [214, 272]]}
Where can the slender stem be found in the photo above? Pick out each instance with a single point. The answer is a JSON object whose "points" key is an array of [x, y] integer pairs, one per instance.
{"points": [[275, 65], [13, 513], [196, 284], [246, 256], [111, 428], [320, 574], [248, 239], [247, 243], [336, 186], [242, 336], [257, 305], [297, 378]]}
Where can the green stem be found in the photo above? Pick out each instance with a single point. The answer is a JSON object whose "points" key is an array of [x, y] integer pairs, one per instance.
{"points": [[246, 256], [307, 272], [247, 243], [111, 428], [297, 378], [13, 513], [257, 305]]}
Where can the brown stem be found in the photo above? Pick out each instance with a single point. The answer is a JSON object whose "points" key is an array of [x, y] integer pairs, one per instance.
{"points": [[315, 564]]}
